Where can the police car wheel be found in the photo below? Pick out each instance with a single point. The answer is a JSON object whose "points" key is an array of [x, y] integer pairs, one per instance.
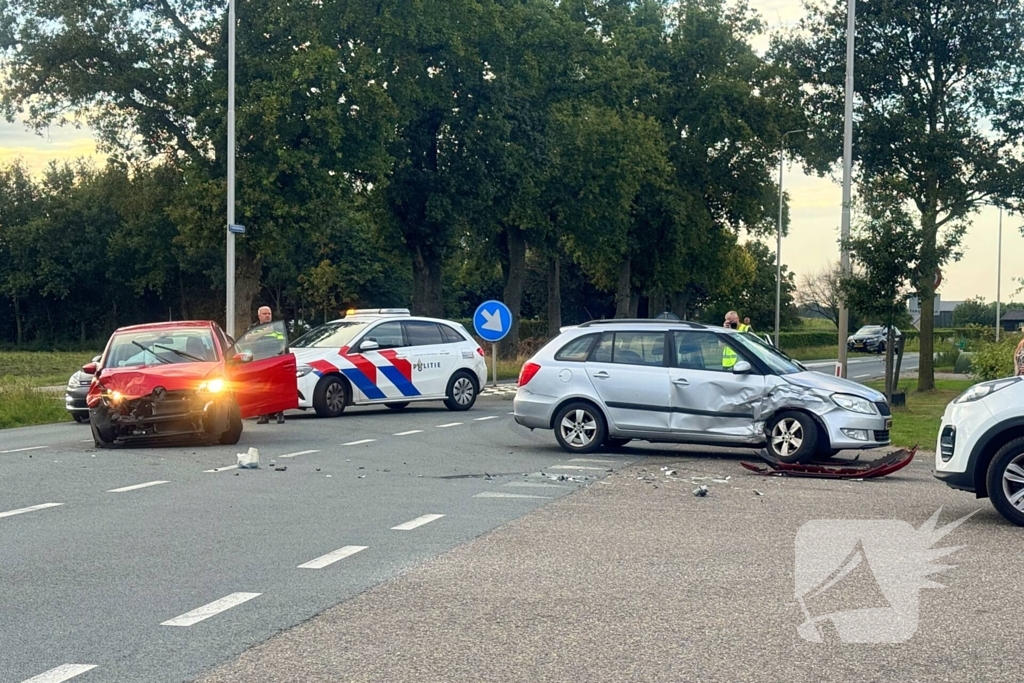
{"points": [[330, 396], [398, 406], [462, 392]]}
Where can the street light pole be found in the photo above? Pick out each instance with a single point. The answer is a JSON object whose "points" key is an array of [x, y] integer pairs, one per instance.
{"points": [[230, 251], [844, 313], [778, 244], [999, 274]]}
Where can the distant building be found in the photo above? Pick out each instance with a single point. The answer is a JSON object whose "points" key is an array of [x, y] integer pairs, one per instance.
{"points": [[943, 312], [1012, 320]]}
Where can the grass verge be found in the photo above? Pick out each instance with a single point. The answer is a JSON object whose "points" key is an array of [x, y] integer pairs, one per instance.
{"points": [[918, 422], [40, 368], [22, 406]]}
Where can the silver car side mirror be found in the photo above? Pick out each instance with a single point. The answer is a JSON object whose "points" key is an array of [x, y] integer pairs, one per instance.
{"points": [[742, 367]]}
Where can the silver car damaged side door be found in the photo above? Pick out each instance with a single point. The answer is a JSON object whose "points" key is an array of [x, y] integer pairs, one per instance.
{"points": [[711, 402]]}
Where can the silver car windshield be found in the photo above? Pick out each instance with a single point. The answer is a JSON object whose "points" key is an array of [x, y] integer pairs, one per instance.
{"points": [[779, 364], [330, 335], [869, 329]]}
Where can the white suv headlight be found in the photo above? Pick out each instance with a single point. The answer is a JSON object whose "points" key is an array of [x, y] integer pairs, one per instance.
{"points": [[854, 404], [303, 370], [980, 391]]}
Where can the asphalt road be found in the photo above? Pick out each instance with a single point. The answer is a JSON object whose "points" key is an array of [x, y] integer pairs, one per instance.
{"points": [[635, 579], [99, 577], [864, 369]]}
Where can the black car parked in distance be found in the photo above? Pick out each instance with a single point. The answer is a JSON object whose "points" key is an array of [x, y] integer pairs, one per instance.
{"points": [[872, 338]]}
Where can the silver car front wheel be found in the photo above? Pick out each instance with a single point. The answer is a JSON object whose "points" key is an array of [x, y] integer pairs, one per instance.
{"points": [[792, 437]]}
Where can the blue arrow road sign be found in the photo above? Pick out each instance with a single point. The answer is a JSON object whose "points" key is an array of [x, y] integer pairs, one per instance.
{"points": [[492, 321]]}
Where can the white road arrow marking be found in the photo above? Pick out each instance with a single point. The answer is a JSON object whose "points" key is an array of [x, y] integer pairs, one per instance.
{"points": [[493, 320]]}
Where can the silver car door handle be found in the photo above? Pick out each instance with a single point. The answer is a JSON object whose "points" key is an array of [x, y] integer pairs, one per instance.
{"points": [[681, 382], [601, 375]]}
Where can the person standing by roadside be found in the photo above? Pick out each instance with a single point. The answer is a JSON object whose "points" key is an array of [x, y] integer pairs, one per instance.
{"points": [[732, 322], [746, 324], [265, 316], [1018, 359]]}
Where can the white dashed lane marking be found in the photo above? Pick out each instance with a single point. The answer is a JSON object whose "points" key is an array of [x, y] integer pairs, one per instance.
{"points": [[410, 432], [332, 557], [419, 521], [450, 424], [223, 469], [60, 674], [533, 485], [30, 448], [21, 511], [489, 417], [137, 486], [295, 455], [212, 609], [499, 494], [577, 467], [358, 443]]}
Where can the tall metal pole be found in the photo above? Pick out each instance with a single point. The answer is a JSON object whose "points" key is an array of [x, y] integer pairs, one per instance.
{"points": [[844, 313], [230, 251], [778, 244], [778, 249], [999, 275]]}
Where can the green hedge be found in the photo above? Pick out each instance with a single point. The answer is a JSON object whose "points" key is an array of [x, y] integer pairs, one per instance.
{"points": [[528, 329], [994, 361]]}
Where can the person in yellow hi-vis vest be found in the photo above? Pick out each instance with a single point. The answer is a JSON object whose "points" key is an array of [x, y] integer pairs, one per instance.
{"points": [[732, 321]]}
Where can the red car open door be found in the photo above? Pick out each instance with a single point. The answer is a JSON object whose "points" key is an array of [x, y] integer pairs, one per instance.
{"points": [[262, 371]]}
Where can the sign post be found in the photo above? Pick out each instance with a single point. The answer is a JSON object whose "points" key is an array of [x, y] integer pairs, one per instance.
{"points": [[492, 322]]}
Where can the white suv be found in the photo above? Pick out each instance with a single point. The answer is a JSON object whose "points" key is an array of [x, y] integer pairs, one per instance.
{"points": [[981, 445], [385, 356]]}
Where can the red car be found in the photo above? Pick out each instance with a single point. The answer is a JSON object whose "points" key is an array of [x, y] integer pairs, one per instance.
{"points": [[185, 379]]}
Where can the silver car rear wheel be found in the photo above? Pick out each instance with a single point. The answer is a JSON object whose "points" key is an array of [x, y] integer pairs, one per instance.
{"points": [[580, 428]]}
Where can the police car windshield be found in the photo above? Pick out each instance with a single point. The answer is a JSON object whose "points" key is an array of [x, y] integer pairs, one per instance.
{"points": [[779, 363], [331, 335]]}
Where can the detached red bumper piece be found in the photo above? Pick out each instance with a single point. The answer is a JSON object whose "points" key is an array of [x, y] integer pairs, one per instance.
{"points": [[893, 462]]}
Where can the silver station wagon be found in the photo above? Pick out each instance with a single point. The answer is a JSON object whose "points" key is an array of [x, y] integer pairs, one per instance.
{"points": [[607, 382]]}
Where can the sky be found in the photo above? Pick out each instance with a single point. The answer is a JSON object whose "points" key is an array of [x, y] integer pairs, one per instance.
{"points": [[815, 203]]}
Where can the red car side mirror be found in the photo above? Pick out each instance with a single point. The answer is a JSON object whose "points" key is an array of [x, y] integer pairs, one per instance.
{"points": [[242, 358], [89, 368]]}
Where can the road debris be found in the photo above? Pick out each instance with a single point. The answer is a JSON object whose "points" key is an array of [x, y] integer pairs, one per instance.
{"points": [[701, 491], [282, 468], [757, 493], [858, 471], [249, 460]]}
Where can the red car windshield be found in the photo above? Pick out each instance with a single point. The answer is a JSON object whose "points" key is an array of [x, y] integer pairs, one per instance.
{"points": [[161, 347]]}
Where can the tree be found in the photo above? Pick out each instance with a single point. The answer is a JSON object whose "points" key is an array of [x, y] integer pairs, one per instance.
{"points": [[821, 292], [939, 113], [973, 312], [883, 246]]}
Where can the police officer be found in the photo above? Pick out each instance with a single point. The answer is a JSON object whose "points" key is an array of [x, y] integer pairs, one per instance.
{"points": [[265, 316], [732, 321]]}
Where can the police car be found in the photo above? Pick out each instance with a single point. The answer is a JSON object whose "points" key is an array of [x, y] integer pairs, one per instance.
{"points": [[386, 356]]}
